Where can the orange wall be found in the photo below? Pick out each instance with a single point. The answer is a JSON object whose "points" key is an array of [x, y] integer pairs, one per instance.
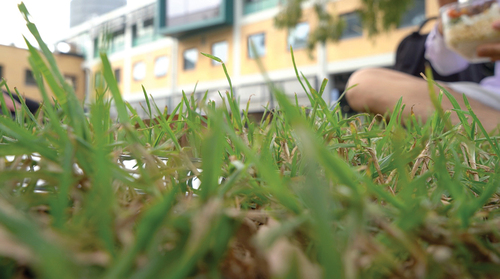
{"points": [[151, 81], [278, 57], [119, 65], [14, 62], [363, 46], [204, 70], [277, 49]]}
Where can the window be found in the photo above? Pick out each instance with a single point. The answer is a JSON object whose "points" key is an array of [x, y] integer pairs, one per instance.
{"points": [[71, 80], [99, 81], [415, 15], [220, 50], [96, 47], [253, 6], [139, 71], [143, 32], [161, 66], [190, 58], [353, 26], [118, 75], [1, 71], [256, 45], [297, 37], [190, 11], [135, 32], [118, 41], [29, 79], [148, 23]]}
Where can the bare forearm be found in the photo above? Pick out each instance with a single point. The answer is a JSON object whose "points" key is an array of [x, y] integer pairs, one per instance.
{"points": [[8, 102]]}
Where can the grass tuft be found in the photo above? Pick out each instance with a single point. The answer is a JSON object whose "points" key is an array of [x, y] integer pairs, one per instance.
{"points": [[207, 192]]}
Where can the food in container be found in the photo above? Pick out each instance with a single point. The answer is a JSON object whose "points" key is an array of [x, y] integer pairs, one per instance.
{"points": [[468, 25]]}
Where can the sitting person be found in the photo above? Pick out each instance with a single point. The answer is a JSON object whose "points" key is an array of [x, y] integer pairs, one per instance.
{"points": [[379, 90], [32, 105], [12, 106]]}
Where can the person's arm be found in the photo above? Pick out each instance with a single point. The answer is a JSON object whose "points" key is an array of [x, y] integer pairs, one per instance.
{"points": [[491, 50], [443, 60], [8, 102]]}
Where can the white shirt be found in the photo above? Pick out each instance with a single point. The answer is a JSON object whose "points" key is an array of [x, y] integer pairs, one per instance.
{"points": [[447, 62]]}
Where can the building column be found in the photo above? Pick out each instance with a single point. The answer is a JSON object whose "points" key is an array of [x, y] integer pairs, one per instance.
{"points": [[236, 59], [127, 62], [175, 65], [323, 72]]}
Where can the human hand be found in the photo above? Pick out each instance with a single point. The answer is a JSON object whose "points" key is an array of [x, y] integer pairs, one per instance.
{"points": [[445, 2], [8, 101], [491, 50], [440, 4]]}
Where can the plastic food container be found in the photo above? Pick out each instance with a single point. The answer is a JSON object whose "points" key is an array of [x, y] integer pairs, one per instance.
{"points": [[467, 25]]}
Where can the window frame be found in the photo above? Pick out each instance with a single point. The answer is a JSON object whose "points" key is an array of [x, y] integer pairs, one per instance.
{"points": [[184, 59], [118, 77], [249, 48], [133, 69], [28, 74], [166, 70], [403, 24], [307, 38], [215, 63], [72, 78], [345, 36]]}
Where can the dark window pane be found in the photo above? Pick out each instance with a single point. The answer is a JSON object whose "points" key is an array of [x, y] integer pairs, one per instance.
{"points": [[1, 71], [96, 47], [134, 31], [415, 15], [190, 58], [148, 22], [29, 79], [353, 25], [118, 75], [71, 80]]}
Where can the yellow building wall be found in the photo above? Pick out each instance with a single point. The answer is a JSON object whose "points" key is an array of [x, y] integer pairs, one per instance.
{"points": [[118, 64], [151, 82], [97, 68], [385, 42], [94, 84], [278, 54], [14, 62], [204, 69]]}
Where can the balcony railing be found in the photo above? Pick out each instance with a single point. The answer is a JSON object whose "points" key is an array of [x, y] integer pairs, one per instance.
{"points": [[256, 6], [179, 25], [144, 39], [116, 47]]}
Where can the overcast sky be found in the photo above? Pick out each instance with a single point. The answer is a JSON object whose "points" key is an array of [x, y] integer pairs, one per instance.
{"points": [[50, 16]]}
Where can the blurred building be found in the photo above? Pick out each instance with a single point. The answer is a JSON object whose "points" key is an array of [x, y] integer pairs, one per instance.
{"points": [[83, 10], [158, 44], [16, 70]]}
